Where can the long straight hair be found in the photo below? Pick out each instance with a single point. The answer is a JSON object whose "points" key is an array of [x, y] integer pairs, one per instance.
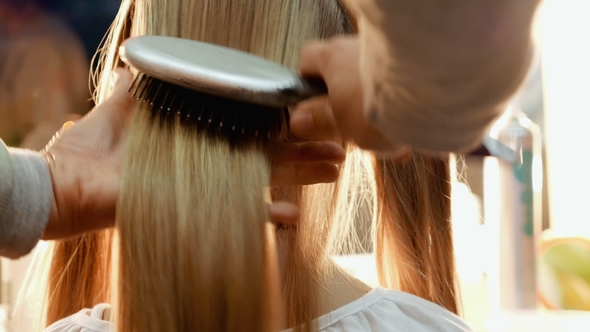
{"points": [[192, 250], [191, 247], [164, 207], [413, 235]]}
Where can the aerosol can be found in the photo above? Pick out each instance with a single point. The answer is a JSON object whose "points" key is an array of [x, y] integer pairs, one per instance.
{"points": [[517, 211]]}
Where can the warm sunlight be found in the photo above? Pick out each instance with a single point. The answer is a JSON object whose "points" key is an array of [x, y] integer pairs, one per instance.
{"points": [[565, 51]]}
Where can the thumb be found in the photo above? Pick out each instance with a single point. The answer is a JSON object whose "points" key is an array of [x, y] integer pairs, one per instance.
{"points": [[115, 111], [118, 105], [313, 59], [120, 80]]}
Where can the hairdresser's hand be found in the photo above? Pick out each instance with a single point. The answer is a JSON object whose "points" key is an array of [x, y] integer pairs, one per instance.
{"points": [[340, 114], [85, 161], [302, 164], [306, 163], [284, 213]]}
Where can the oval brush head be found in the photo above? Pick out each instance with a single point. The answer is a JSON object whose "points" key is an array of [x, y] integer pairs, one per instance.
{"points": [[218, 71]]}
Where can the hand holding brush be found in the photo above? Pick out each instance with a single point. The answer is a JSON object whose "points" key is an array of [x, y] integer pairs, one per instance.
{"points": [[85, 161]]}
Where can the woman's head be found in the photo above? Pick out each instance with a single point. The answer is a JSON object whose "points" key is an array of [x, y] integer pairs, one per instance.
{"points": [[179, 221], [271, 29], [192, 214]]}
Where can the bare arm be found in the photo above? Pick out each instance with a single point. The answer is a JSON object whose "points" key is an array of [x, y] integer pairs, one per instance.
{"points": [[429, 74], [435, 74]]}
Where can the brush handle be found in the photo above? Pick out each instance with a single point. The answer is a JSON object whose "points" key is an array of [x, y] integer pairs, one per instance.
{"points": [[306, 88], [315, 86]]}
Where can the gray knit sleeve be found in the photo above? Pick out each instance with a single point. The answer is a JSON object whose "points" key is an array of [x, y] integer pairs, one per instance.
{"points": [[25, 200]]}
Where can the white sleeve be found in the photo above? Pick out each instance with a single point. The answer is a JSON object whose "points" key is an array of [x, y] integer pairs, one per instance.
{"points": [[86, 320], [436, 75]]}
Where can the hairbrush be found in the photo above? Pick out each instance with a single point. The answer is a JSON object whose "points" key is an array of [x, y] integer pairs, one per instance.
{"points": [[221, 89], [226, 91]]}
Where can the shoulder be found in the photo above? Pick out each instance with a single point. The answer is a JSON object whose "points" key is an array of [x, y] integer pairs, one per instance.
{"points": [[85, 320], [379, 310], [388, 310]]}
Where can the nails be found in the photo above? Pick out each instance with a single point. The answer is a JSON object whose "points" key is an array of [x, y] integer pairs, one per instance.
{"points": [[67, 125]]}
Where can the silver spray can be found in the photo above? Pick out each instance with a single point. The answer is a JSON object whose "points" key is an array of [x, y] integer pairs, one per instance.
{"points": [[519, 214]]}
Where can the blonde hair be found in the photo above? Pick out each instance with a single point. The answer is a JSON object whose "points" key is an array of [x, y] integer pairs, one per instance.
{"points": [[413, 235], [192, 227], [165, 211]]}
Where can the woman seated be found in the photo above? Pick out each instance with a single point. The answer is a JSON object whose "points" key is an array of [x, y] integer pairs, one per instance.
{"points": [[192, 249]]}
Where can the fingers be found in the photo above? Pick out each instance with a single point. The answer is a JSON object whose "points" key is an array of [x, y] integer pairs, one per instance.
{"points": [[308, 152], [313, 58], [120, 100], [313, 119], [121, 80], [317, 57], [283, 213], [303, 174], [306, 163], [117, 108], [336, 115], [107, 124]]}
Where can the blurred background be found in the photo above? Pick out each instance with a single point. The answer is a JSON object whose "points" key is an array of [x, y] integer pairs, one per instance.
{"points": [[45, 52], [46, 49]]}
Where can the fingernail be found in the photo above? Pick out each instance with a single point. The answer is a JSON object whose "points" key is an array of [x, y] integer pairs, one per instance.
{"points": [[302, 123], [67, 125]]}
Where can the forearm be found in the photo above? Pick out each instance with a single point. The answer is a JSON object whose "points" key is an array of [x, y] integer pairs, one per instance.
{"points": [[25, 199], [436, 74]]}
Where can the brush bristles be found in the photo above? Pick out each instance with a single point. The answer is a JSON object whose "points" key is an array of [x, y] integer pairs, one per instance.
{"points": [[220, 116]]}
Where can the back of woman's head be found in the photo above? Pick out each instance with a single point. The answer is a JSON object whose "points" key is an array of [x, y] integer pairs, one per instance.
{"points": [[214, 250], [193, 242], [193, 250]]}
